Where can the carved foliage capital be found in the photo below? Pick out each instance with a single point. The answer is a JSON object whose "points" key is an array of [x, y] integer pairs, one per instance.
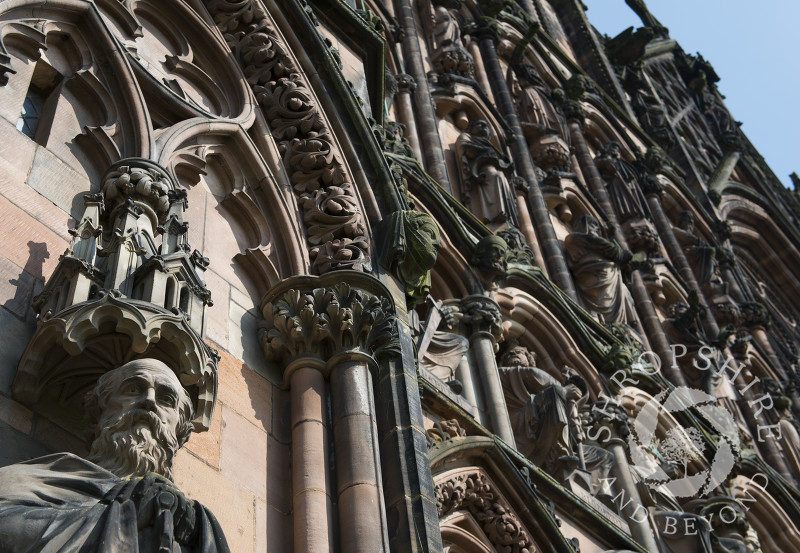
{"points": [[325, 321], [482, 314], [754, 315], [610, 417]]}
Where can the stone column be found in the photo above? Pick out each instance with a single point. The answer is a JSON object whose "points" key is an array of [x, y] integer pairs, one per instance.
{"points": [[332, 327], [525, 223], [359, 489], [551, 247], [311, 502], [433, 154], [612, 430], [481, 314], [676, 254], [405, 110]]}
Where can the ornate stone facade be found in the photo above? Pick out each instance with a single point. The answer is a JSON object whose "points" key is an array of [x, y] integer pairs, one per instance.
{"points": [[434, 276]]}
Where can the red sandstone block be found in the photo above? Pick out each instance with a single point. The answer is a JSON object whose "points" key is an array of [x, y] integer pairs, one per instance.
{"points": [[279, 532], [279, 475], [244, 391], [243, 456], [232, 505], [27, 242], [206, 445]]}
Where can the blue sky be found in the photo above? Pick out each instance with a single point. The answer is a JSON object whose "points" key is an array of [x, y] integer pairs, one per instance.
{"points": [[754, 48]]}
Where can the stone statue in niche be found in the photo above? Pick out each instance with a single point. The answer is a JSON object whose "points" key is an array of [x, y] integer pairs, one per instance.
{"points": [[545, 417], [486, 188], [622, 181], [701, 256], [665, 509], [532, 98], [596, 264], [450, 56], [120, 499]]}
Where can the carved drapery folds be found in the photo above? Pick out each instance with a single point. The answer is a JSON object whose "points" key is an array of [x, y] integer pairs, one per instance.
{"points": [[484, 178], [334, 223], [474, 492], [596, 264], [324, 318], [129, 285]]}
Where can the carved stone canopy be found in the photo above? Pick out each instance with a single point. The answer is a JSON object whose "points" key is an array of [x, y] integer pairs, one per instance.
{"points": [[128, 286], [72, 349]]}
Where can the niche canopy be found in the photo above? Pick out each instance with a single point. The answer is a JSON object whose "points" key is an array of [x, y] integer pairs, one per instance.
{"points": [[129, 286]]}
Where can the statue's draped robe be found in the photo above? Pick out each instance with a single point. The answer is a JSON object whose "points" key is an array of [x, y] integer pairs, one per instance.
{"points": [[595, 265], [64, 504], [537, 407]]}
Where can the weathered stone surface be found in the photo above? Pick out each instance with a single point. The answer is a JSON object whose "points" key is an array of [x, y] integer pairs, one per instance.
{"points": [[206, 445], [15, 415], [244, 391], [231, 503], [243, 455]]}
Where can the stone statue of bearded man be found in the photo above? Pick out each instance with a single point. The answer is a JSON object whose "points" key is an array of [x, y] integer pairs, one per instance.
{"points": [[122, 499]]}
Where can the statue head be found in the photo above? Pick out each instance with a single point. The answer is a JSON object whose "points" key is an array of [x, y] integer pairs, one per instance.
{"points": [[479, 127], [139, 415], [588, 224], [677, 310], [686, 220], [518, 355], [490, 254], [613, 149]]}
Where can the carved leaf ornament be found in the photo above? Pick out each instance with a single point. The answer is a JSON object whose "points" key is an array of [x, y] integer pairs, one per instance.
{"points": [[326, 321], [475, 493], [335, 226]]}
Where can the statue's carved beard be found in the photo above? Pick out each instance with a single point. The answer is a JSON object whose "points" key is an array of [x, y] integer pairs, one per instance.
{"points": [[134, 444]]}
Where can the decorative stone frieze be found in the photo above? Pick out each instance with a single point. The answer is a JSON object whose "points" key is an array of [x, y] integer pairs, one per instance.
{"points": [[754, 315], [475, 493], [323, 318], [335, 226]]}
